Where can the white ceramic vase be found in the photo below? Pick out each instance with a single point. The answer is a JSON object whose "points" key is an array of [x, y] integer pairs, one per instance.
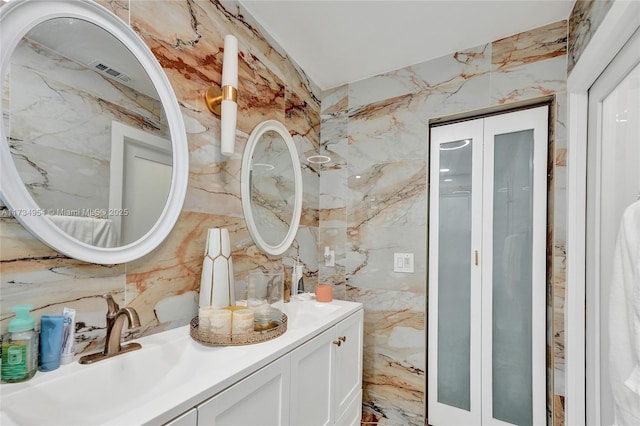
{"points": [[217, 285]]}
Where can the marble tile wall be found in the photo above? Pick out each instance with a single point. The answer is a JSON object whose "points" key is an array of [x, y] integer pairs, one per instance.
{"points": [[585, 19], [373, 199], [187, 39], [369, 202]]}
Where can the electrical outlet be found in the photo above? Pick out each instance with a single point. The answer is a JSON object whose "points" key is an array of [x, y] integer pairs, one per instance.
{"points": [[403, 262]]}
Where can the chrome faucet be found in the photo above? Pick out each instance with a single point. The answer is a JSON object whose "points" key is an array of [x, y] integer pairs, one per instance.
{"points": [[115, 322]]}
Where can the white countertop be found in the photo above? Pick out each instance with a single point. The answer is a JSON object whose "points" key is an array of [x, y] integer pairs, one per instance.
{"points": [[170, 374]]}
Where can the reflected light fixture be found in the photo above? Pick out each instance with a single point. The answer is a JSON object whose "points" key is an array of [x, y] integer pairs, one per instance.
{"points": [[223, 103], [450, 146], [318, 159]]}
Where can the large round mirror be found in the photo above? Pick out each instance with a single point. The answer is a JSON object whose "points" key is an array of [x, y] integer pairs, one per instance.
{"points": [[271, 182], [94, 151]]}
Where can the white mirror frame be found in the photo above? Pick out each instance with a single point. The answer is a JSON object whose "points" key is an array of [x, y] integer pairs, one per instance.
{"points": [[254, 138], [16, 19]]}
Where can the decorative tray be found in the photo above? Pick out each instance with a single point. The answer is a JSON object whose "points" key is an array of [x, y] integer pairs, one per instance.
{"points": [[207, 338]]}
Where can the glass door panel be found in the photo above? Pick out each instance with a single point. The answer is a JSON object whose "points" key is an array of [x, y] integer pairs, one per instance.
{"points": [[454, 277], [512, 250]]}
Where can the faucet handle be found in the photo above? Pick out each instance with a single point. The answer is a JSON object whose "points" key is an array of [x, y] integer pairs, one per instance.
{"points": [[112, 306]]}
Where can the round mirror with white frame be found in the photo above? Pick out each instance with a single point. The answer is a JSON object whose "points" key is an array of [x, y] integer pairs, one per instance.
{"points": [[95, 164], [271, 187]]}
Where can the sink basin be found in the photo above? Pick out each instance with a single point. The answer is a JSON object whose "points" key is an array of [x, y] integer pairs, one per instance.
{"points": [[169, 375], [99, 393]]}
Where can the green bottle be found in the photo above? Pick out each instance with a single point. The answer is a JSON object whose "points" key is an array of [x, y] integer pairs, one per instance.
{"points": [[20, 347]]}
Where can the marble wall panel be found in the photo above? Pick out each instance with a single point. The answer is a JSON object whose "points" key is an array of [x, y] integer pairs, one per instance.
{"points": [[530, 46], [386, 160], [187, 39], [584, 20]]}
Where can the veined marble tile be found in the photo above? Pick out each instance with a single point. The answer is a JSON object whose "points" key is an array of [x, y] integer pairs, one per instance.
{"points": [[560, 205], [559, 294], [214, 180], [536, 45], [310, 182], [394, 353], [119, 7], [335, 239], [261, 45], [560, 113], [18, 243], [426, 76], [334, 191], [175, 266], [335, 101], [398, 128], [52, 284], [528, 81], [585, 18], [390, 194], [334, 142], [369, 257], [301, 118], [191, 55]]}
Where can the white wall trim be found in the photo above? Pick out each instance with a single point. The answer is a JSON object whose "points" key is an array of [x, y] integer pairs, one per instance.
{"points": [[619, 24]]}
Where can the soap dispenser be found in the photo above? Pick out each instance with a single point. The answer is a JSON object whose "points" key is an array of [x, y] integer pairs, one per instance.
{"points": [[20, 347]]}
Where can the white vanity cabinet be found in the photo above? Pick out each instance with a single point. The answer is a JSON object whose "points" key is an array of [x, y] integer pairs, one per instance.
{"points": [[326, 376], [318, 383]]}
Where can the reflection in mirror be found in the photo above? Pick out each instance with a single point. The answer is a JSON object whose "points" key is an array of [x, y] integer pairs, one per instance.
{"points": [[84, 122], [271, 183], [272, 187]]}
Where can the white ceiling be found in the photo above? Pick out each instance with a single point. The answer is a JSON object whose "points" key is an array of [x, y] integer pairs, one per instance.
{"points": [[342, 41]]}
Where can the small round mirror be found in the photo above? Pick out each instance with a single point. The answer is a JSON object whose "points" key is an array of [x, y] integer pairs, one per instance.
{"points": [[271, 186]]}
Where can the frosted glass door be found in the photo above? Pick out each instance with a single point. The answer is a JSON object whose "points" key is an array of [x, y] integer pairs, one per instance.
{"points": [[454, 303], [487, 271]]}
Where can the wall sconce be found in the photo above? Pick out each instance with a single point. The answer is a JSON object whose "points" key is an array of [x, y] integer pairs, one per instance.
{"points": [[223, 103]]}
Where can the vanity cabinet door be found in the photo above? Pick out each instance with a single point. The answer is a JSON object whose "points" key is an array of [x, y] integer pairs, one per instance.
{"points": [[261, 399], [312, 382], [326, 376], [347, 347]]}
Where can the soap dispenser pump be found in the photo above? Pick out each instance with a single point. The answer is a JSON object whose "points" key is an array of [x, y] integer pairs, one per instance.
{"points": [[20, 347]]}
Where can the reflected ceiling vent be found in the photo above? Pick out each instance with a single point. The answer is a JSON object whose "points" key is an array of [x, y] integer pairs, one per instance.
{"points": [[106, 69]]}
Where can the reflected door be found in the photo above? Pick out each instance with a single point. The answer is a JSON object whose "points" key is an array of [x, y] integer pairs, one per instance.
{"points": [[487, 271]]}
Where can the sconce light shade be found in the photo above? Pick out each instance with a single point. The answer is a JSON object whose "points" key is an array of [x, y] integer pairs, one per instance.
{"points": [[223, 103], [229, 106]]}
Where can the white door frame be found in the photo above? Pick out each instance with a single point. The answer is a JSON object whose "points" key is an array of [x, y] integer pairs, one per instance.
{"points": [[619, 24]]}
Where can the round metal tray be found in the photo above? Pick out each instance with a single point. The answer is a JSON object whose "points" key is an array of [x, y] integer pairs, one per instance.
{"points": [[207, 338]]}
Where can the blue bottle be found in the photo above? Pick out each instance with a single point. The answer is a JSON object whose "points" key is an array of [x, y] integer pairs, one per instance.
{"points": [[51, 332]]}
